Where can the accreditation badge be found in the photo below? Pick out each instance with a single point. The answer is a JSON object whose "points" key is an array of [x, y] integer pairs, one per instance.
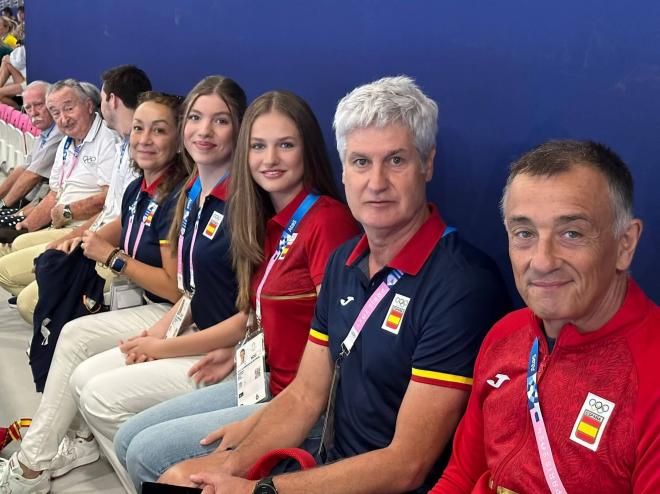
{"points": [[177, 321], [251, 383], [125, 293], [213, 225]]}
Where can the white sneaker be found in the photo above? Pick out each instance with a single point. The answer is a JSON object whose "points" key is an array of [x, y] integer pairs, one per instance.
{"points": [[73, 452], [13, 482]]}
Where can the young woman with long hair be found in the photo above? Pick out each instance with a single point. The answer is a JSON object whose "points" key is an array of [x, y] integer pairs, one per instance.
{"points": [[57, 440], [285, 222]]}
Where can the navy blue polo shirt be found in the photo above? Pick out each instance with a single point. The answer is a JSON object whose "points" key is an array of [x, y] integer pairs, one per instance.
{"points": [[157, 225], [215, 282], [428, 329]]}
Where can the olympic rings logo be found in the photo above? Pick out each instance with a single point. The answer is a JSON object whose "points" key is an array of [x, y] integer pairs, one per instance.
{"points": [[599, 406]]}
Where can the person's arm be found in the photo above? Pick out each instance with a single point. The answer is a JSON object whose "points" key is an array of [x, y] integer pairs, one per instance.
{"points": [[63, 242], [40, 215], [426, 421], [25, 183], [161, 281], [301, 403], [9, 182], [80, 210]]}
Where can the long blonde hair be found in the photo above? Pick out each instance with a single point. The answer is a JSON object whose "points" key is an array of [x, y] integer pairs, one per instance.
{"points": [[249, 205], [234, 97]]}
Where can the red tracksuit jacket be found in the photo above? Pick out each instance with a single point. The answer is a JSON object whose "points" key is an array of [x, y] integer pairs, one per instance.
{"points": [[600, 397]]}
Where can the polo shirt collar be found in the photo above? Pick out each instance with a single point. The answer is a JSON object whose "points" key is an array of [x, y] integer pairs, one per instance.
{"points": [[414, 254], [282, 218], [94, 129], [634, 309], [220, 191], [151, 189]]}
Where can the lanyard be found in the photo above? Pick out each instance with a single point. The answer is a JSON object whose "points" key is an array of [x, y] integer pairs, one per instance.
{"points": [[547, 461], [193, 195], [290, 229], [74, 161], [146, 220], [327, 436], [122, 150]]}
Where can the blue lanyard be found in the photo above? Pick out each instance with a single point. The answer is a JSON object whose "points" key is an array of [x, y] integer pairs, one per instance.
{"points": [[300, 212], [290, 229], [532, 371], [122, 150]]}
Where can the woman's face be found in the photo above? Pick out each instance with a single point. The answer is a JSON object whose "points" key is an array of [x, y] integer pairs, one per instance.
{"points": [[208, 134], [154, 138], [276, 157]]}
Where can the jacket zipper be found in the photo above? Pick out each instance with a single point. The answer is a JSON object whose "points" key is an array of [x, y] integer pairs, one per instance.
{"points": [[543, 365]]}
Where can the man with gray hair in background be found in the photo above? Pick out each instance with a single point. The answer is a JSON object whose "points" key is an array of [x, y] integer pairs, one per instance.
{"points": [[15, 189], [78, 182], [399, 319]]}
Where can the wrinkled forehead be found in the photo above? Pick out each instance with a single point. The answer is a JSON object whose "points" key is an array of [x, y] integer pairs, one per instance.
{"points": [[63, 97]]}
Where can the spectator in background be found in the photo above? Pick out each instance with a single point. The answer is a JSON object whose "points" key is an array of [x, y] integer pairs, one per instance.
{"points": [[78, 182], [122, 86], [38, 164], [13, 77], [7, 37]]}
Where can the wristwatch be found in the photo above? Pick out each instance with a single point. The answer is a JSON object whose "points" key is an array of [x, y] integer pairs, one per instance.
{"points": [[66, 213], [265, 486], [118, 263]]}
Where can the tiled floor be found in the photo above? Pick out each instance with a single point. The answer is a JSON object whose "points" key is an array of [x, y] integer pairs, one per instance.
{"points": [[19, 399]]}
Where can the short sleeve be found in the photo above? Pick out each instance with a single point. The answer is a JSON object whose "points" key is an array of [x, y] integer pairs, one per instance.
{"points": [[455, 317], [333, 225], [56, 171], [319, 331], [42, 158]]}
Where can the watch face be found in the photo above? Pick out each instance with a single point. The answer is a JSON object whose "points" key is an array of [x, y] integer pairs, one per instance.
{"points": [[265, 487]]}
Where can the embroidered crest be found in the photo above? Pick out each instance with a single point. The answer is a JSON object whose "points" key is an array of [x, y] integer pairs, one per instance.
{"points": [[149, 214], [395, 313], [591, 421], [213, 225]]}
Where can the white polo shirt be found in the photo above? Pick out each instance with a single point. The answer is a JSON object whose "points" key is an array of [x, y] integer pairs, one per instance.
{"points": [[74, 178], [122, 175]]}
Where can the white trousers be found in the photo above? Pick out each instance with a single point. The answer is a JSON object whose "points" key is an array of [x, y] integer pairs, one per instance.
{"points": [[109, 392], [79, 340]]}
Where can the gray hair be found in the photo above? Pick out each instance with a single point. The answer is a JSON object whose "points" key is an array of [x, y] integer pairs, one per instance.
{"points": [[390, 100], [93, 92], [34, 84], [560, 156], [69, 83]]}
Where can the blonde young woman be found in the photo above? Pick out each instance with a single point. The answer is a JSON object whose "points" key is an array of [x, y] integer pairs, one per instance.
{"points": [[111, 386], [282, 182], [48, 448]]}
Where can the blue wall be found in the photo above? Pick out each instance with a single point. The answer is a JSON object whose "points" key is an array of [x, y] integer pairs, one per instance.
{"points": [[507, 75]]}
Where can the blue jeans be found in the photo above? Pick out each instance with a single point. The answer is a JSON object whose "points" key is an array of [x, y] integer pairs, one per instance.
{"points": [[150, 442]]}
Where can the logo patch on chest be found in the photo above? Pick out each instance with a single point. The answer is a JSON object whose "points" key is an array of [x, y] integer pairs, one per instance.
{"points": [[395, 313], [591, 421], [287, 245], [213, 225]]}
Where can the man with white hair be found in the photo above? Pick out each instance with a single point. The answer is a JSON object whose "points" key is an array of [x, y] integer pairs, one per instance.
{"points": [[566, 391], [399, 319], [78, 182], [39, 162]]}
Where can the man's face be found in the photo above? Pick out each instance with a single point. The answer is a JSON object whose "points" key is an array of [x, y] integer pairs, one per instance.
{"points": [[73, 115], [383, 177], [34, 102], [563, 251], [107, 110]]}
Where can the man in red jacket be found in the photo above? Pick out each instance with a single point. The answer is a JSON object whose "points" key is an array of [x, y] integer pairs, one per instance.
{"points": [[565, 395]]}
